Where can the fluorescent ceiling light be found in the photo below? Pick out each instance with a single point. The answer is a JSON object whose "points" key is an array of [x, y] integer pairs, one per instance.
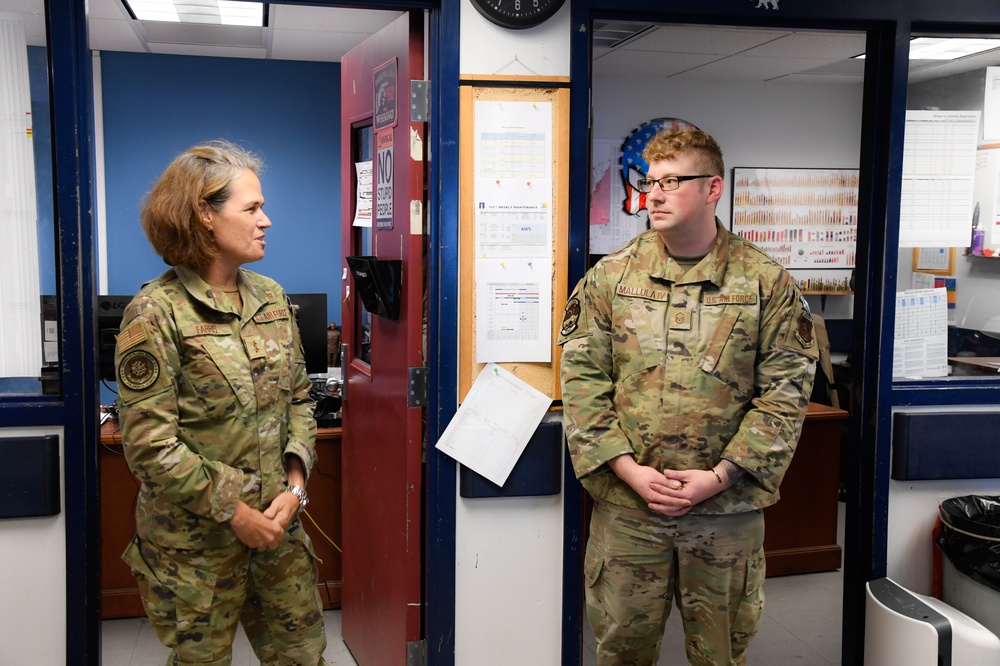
{"points": [[949, 48], [946, 48], [218, 12]]}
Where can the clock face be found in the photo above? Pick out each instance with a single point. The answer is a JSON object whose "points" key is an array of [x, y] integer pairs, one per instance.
{"points": [[518, 14]]}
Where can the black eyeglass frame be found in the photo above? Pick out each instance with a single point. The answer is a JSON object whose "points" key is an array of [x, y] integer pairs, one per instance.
{"points": [[645, 185]]}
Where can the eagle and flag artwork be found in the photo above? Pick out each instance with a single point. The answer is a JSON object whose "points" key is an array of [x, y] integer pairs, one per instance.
{"points": [[617, 207]]}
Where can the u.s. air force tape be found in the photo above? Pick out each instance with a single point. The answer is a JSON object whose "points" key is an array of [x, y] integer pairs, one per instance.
{"points": [[138, 370]]}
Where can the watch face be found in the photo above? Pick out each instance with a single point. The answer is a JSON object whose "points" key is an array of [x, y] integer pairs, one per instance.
{"points": [[518, 14]]}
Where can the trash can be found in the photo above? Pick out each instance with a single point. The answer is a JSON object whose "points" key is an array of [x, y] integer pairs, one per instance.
{"points": [[969, 538]]}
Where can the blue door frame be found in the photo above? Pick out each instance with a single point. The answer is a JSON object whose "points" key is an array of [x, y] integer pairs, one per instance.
{"points": [[874, 395], [888, 26]]}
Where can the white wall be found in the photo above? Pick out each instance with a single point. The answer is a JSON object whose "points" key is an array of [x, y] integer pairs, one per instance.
{"points": [[33, 579], [509, 552]]}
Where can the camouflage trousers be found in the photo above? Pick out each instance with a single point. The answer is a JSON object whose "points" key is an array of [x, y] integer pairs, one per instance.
{"points": [[638, 562], [195, 598]]}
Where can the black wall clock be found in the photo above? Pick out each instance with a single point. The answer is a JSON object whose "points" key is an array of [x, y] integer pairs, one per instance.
{"points": [[518, 14]]}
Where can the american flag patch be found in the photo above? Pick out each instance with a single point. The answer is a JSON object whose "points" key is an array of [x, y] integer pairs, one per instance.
{"points": [[131, 336]]}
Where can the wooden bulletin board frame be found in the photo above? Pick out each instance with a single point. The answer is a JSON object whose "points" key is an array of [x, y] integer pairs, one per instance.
{"points": [[950, 270], [555, 90]]}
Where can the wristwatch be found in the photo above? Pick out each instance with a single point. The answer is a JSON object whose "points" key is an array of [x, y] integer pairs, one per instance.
{"points": [[300, 492]]}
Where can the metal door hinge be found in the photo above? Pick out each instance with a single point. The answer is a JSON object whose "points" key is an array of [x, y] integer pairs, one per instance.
{"points": [[416, 653], [420, 101], [417, 394]]}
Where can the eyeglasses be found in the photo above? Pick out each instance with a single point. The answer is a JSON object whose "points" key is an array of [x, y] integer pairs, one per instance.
{"points": [[667, 183]]}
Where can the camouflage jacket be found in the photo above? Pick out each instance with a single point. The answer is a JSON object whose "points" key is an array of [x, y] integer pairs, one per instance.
{"points": [[680, 369], [210, 402]]}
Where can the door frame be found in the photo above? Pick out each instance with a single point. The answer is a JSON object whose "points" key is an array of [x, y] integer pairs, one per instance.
{"points": [[867, 508], [75, 409], [71, 90]]}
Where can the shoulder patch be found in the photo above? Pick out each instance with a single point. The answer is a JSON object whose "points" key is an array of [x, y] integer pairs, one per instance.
{"points": [[138, 370], [571, 316], [804, 331], [131, 336]]}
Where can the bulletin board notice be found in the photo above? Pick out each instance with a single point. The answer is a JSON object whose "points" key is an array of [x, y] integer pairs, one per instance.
{"points": [[514, 202]]}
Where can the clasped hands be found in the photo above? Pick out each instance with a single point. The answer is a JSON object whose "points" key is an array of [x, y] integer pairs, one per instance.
{"points": [[264, 530], [671, 492]]}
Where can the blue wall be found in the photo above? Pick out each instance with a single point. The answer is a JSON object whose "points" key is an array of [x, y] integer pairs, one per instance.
{"points": [[156, 106]]}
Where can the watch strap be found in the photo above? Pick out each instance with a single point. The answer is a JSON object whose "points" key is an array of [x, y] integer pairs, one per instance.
{"points": [[300, 493]]}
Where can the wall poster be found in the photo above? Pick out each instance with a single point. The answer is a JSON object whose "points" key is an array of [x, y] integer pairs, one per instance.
{"points": [[802, 218]]}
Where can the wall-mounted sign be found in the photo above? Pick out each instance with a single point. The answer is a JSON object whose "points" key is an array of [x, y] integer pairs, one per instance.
{"points": [[383, 180], [384, 78]]}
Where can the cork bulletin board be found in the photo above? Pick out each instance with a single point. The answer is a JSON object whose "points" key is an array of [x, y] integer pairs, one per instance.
{"points": [[482, 99]]}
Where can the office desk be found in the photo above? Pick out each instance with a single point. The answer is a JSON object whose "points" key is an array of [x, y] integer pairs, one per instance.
{"points": [[975, 365], [119, 594], [801, 529]]}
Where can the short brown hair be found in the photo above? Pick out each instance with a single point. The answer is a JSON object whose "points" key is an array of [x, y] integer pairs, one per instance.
{"points": [[170, 213], [670, 143]]}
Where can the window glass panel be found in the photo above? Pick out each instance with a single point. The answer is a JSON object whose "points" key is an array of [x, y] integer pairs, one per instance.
{"points": [[29, 326], [948, 303], [364, 141]]}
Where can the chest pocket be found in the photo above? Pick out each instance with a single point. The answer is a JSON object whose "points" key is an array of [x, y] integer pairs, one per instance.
{"points": [[216, 364], [731, 355], [639, 335]]}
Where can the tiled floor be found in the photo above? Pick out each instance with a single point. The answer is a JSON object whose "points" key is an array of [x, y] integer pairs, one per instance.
{"points": [[132, 642], [801, 626]]}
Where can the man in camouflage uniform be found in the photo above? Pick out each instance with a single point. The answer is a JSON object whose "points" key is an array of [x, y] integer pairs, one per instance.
{"points": [[688, 360], [218, 428]]}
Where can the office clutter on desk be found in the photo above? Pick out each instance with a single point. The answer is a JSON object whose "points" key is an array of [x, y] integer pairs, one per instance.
{"points": [[327, 407]]}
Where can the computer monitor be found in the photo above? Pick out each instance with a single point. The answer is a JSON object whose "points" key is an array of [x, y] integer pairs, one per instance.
{"points": [[109, 321], [310, 315]]}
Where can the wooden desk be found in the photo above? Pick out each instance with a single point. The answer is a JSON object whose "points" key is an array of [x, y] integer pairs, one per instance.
{"points": [[801, 529], [975, 365], [119, 490]]}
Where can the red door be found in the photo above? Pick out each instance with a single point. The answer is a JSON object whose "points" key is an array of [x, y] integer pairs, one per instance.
{"points": [[382, 435]]}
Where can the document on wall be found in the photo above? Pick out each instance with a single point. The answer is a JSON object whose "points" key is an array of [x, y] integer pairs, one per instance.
{"points": [[991, 106], [513, 179], [939, 172], [493, 425], [920, 347], [513, 310], [363, 205], [611, 226]]}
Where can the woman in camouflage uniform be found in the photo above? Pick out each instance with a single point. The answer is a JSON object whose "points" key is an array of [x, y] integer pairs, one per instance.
{"points": [[218, 425]]}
